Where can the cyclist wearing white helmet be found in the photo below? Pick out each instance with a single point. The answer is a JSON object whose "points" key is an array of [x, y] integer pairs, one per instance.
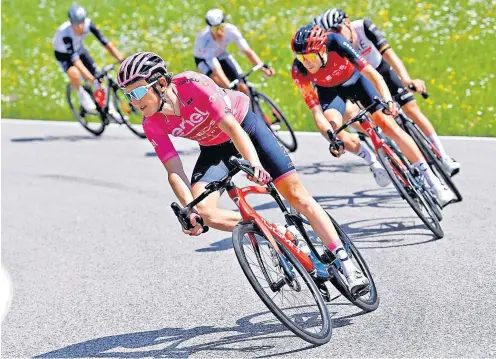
{"points": [[73, 57], [210, 53], [366, 37]]}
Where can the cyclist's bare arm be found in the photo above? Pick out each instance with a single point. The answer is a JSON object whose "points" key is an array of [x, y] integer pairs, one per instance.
{"points": [[255, 60], [240, 139], [398, 66], [178, 180], [321, 121], [378, 81], [114, 52], [84, 71]]}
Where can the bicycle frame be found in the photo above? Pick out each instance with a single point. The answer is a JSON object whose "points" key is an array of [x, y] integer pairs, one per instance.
{"points": [[248, 214], [379, 143]]}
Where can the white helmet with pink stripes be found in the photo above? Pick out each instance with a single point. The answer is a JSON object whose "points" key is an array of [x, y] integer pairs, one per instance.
{"points": [[140, 66]]}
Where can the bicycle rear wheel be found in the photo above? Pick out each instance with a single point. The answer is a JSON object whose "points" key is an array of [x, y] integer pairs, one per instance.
{"points": [[297, 302], [91, 121], [432, 159], [408, 192], [276, 121], [130, 115]]}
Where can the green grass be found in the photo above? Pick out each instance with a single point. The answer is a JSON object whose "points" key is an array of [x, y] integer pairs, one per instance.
{"points": [[451, 45]]}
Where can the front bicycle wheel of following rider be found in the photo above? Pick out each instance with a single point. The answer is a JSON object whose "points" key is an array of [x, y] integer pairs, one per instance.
{"points": [[130, 115], [296, 302], [414, 198], [433, 160], [368, 301], [91, 120], [277, 122]]}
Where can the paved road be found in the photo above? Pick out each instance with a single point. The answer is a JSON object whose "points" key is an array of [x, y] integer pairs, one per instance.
{"points": [[101, 269]]}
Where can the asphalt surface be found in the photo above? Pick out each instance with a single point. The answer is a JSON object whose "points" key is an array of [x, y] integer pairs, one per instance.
{"points": [[100, 267]]}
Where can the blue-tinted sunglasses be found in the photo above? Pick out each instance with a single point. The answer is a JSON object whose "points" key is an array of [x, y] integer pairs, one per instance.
{"points": [[139, 92]]}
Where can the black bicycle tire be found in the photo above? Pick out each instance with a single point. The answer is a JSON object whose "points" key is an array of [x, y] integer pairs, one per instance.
{"points": [[271, 103], [432, 159], [73, 110], [346, 240], [237, 237], [367, 306], [140, 134], [383, 158]]}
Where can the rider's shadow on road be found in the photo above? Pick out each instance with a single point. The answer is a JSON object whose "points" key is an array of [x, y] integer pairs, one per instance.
{"points": [[244, 337]]}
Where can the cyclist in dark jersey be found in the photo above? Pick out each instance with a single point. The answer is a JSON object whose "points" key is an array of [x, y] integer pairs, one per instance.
{"points": [[339, 73], [372, 44], [73, 57]]}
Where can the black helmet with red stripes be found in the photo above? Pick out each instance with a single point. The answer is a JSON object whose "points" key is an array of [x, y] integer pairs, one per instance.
{"points": [[308, 39]]}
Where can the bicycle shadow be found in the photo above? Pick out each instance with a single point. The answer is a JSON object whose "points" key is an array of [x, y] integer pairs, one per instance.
{"points": [[188, 152], [221, 245], [377, 198], [326, 167], [184, 342], [389, 232], [69, 138]]}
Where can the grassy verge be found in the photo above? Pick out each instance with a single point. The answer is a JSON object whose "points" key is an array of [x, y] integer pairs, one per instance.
{"points": [[450, 44]]}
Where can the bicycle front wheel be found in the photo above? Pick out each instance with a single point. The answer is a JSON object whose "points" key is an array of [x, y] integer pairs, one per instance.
{"points": [[92, 121], [408, 192], [130, 115], [296, 302], [276, 121]]}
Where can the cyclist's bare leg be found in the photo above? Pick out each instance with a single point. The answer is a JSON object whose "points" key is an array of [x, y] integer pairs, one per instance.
{"points": [[74, 77], [351, 142], [351, 110], [298, 197], [241, 87], [391, 129], [213, 216], [413, 111]]}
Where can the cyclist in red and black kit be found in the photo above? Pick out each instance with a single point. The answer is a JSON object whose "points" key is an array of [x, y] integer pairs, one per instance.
{"points": [[339, 73], [372, 44]]}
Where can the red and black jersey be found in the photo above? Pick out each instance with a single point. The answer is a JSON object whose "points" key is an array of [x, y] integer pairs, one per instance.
{"points": [[342, 60]]}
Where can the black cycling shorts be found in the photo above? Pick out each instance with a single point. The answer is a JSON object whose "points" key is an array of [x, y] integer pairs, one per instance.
{"points": [[213, 162], [229, 65], [357, 88], [394, 84], [65, 60]]}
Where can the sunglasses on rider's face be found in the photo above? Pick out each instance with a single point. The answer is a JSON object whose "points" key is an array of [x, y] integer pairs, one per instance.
{"points": [[217, 27], [306, 57], [139, 92]]}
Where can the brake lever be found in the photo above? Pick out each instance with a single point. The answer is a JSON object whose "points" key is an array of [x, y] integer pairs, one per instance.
{"points": [[182, 215]]}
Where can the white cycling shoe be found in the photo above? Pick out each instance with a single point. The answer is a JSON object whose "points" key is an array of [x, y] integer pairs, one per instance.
{"points": [[86, 101], [380, 174], [451, 166], [443, 194], [357, 282]]}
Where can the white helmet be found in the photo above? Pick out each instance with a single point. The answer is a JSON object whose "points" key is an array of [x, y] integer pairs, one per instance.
{"points": [[215, 17]]}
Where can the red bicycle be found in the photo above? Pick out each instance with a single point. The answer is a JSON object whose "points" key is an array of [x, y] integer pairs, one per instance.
{"points": [[405, 177], [276, 266]]}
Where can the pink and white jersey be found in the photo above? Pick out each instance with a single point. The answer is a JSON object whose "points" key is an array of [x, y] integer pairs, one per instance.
{"points": [[202, 105]]}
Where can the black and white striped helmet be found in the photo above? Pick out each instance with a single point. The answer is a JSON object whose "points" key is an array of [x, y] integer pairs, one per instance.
{"points": [[330, 19]]}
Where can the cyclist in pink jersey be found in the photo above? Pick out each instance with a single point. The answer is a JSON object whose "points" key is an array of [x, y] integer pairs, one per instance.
{"points": [[191, 105]]}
